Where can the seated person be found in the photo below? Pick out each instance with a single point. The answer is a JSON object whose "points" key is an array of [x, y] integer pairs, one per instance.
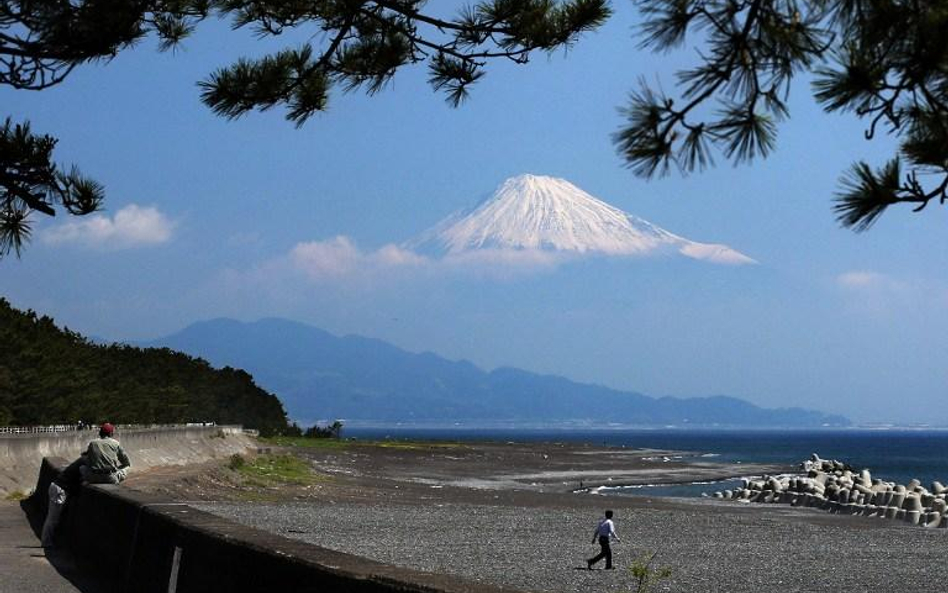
{"points": [[105, 460]]}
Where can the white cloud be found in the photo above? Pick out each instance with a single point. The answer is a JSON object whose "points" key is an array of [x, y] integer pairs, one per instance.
{"points": [[914, 292], [861, 279], [335, 257], [339, 257], [341, 260], [883, 295], [393, 255], [131, 226]]}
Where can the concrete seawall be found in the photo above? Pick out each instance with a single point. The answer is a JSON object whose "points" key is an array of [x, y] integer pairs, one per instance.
{"points": [[134, 543], [21, 455]]}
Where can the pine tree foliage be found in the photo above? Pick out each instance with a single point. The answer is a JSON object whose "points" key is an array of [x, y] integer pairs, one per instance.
{"points": [[362, 44], [30, 181], [884, 60], [50, 375], [354, 44], [41, 42]]}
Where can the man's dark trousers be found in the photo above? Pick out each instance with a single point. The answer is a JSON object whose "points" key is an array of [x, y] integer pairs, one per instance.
{"points": [[606, 552]]}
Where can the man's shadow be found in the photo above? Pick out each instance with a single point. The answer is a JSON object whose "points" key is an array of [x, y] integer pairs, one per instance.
{"points": [[58, 557]]}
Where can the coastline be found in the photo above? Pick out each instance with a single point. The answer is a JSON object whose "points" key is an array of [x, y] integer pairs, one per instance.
{"points": [[507, 513]]}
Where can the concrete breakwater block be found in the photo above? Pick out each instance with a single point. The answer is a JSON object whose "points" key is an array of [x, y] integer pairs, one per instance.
{"points": [[931, 519], [835, 487], [897, 500], [865, 478], [912, 503]]}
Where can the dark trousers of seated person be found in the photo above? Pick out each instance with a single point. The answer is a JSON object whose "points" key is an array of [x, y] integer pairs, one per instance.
{"points": [[606, 552]]}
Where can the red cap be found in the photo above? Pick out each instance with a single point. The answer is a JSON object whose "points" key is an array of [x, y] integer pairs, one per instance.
{"points": [[107, 429]]}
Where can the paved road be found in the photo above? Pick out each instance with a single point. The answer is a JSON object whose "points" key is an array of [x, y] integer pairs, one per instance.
{"points": [[24, 565]]}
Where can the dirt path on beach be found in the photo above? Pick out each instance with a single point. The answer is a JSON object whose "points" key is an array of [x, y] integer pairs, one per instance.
{"points": [[469, 471]]}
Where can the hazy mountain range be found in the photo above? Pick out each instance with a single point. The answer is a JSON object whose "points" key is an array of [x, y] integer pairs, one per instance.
{"points": [[320, 376]]}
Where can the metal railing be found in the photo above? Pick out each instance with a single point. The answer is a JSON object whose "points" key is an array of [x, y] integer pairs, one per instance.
{"points": [[38, 429], [53, 428]]}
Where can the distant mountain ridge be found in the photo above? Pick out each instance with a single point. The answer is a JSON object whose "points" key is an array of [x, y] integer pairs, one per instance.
{"points": [[320, 376]]}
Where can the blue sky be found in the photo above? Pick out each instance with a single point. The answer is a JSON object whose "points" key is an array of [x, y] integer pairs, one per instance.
{"points": [[254, 218]]}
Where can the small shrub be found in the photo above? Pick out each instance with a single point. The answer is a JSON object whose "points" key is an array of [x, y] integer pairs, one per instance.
{"points": [[645, 576], [237, 461], [16, 496], [332, 431]]}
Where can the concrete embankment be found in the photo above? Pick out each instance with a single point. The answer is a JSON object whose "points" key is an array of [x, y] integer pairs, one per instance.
{"points": [[139, 543], [21, 455]]}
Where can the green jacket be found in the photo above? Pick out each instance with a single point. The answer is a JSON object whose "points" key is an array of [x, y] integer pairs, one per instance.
{"points": [[106, 456]]}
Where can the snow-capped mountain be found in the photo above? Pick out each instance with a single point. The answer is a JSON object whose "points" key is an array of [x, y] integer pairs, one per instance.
{"points": [[531, 212]]}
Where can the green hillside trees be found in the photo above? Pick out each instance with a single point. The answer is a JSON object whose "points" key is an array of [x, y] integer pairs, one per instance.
{"points": [[50, 375]]}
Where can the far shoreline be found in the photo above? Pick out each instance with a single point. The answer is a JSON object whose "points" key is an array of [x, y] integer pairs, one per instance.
{"points": [[567, 428]]}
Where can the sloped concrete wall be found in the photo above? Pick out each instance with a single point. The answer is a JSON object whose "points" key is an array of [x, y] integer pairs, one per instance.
{"points": [[21, 455], [137, 543]]}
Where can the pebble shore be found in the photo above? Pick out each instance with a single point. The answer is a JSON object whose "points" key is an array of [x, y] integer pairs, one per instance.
{"points": [[707, 545], [534, 538]]}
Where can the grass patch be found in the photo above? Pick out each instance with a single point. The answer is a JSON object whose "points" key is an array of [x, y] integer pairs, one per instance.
{"points": [[306, 443], [269, 471], [15, 496]]}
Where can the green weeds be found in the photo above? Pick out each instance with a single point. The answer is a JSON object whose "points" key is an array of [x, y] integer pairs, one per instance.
{"points": [[268, 471], [16, 496], [645, 576], [306, 442]]}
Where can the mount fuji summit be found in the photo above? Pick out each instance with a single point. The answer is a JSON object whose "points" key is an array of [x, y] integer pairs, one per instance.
{"points": [[532, 212]]}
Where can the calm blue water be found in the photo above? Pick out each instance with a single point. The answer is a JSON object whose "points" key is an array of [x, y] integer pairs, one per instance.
{"points": [[895, 455]]}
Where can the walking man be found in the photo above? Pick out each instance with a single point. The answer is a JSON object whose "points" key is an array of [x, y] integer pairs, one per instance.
{"points": [[106, 461], [605, 532]]}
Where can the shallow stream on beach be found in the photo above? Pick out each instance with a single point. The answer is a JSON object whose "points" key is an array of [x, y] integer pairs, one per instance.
{"points": [[897, 455], [686, 490]]}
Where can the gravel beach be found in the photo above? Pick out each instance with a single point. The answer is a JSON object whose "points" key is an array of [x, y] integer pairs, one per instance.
{"points": [[707, 548], [509, 515]]}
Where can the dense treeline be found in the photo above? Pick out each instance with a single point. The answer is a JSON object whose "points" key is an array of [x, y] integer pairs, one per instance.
{"points": [[50, 375]]}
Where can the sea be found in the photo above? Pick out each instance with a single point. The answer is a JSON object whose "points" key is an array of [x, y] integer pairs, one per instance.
{"points": [[892, 454]]}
